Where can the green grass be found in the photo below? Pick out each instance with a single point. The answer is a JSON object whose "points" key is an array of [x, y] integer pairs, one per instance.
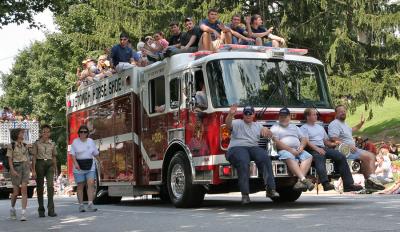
{"points": [[384, 125]]}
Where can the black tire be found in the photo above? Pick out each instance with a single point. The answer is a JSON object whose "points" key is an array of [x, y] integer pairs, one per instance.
{"points": [[30, 191], [183, 193], [287, 194], [163, 195], [4, 195]]}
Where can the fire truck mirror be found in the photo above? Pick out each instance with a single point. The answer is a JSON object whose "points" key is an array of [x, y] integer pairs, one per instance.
{"points": [[192, 103]]}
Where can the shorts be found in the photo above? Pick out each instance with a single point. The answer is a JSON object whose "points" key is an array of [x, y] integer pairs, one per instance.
{"points": [[23, 170], [83, 176], [284, 155], [356, 155]]}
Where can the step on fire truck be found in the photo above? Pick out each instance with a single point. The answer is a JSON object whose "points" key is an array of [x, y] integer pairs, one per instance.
{"points": [[155, 139], [31, 129]]}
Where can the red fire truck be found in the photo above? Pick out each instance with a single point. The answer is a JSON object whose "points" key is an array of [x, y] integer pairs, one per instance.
{"points": [[155, 138]]}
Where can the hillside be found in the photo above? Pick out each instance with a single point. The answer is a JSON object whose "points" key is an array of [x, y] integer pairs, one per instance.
{"points": [[384, 125]]}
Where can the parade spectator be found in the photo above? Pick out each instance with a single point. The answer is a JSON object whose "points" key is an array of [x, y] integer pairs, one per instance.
{"points": [[256, 30], [103, 67], [239, 34], [160, 39], [122, 56], [19, 162], [291, 143], [339, 132], [154, 50], [190, 39], [321, 148], [394, 149], [214, 33], [384, 170], [175, 39], [243, 147], [83, 153], [142, 53]]}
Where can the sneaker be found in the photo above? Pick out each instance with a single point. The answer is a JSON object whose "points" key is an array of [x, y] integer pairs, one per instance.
{"points": [[91, 208], [310, 185], [352, 188], [23, 217], [13, 214], [271, 193], [81, 208], [373, 183], [300, 186], [245, 199], [328, 186]]}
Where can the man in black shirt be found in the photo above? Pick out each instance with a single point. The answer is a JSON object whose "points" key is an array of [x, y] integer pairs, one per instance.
{"points": [[175, 39], [190, 39]]}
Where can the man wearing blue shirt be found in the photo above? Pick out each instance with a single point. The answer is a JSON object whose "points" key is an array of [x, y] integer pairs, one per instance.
{"points": [[214, 33], [121, 53], [239, 34]]}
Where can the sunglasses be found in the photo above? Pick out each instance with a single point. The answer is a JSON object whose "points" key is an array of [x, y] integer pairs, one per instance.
{"points": [[83, 132], [248, 113]]}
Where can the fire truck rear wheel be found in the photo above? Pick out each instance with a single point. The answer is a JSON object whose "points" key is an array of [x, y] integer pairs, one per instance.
{"points": [[287, 194], [183, 193]]}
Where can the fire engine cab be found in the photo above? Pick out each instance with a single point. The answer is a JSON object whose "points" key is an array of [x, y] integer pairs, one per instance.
{"points": [[160, 128]]}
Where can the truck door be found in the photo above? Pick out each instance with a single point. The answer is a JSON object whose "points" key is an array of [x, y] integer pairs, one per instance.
{"points": [[154, 129]]}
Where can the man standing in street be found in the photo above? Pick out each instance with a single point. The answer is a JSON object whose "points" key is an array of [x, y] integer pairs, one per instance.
{"points": [[45, 164], [340, 132], [318, 146], [243, 148]]}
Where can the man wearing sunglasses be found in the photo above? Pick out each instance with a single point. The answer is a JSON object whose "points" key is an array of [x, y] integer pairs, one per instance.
{"points": [[122, 54], [244, 148]]}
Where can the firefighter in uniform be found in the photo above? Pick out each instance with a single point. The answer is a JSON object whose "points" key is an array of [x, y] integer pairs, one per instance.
{"points": [[45, 164]]}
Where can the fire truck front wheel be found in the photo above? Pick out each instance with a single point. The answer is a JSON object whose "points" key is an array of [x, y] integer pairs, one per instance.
{"points": [[183, 193], [287, 194]]}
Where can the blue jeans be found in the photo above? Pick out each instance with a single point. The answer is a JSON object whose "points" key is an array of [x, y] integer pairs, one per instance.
{"points": [[240, 158], [340, 161]]}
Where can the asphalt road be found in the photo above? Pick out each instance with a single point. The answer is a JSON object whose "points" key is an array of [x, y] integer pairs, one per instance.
{"points": [[219, 213]]}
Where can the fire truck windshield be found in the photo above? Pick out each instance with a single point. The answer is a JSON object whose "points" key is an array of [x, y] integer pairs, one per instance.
{"points": [[268, 83]]}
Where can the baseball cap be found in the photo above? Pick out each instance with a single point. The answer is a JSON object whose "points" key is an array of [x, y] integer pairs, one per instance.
{"points": [[284, 111], [248, 110]]}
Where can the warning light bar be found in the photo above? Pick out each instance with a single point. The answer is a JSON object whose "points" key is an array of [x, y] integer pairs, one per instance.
{"points": [[276, 52]]}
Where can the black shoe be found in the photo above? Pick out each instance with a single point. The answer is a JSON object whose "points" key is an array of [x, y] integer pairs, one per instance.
{"points": [[245, 199], [352, 188], [271, 193], [373, 183], [52, 214], [328, 186], [42, 214]]}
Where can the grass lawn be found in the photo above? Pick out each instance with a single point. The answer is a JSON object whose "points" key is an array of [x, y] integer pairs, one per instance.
{"points": [[384, 125]]}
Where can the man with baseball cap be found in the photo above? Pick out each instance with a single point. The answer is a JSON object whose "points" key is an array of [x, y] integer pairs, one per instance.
{"points": [[243, 148], [291, 142]]}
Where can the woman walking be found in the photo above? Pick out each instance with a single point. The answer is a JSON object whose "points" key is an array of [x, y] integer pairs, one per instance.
{"points": [[18, 159], [84, 151]]}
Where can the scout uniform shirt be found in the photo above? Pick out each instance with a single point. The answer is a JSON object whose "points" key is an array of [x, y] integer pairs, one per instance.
{"points": [[19, 154], [44, 150]]}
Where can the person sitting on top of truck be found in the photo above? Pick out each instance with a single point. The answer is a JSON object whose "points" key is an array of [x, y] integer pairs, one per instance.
{"points": [[339, 132], [239, 34], [243, 147], [320, 147], [175, 39], [255, 30], [122, 56], [214, 32], [290, 143]]}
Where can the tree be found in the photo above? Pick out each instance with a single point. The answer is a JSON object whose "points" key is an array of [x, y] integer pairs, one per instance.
{"points": [[17, 11]]}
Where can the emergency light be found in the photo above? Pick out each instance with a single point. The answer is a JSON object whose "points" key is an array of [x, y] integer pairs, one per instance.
{"points": [[275, 52]]}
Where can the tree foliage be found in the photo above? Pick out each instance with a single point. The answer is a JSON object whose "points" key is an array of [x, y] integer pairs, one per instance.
{"points": [[354, 38]]}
